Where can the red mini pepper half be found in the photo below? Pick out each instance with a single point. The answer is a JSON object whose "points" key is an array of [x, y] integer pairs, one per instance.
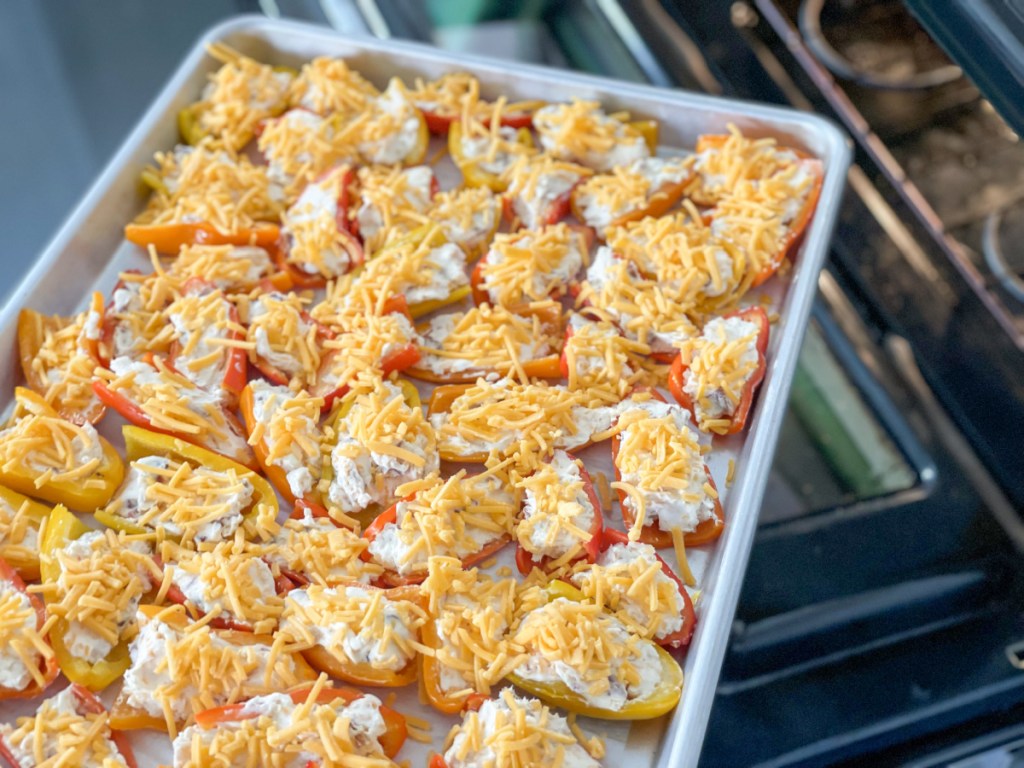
{"points": [[237, 359], [86, 703], [677, 374], [131, 411], [344, 223], [398, 360], [681, 637], [48, 667], [390, 515], [476, 277], [391, 740], [525, 561], [706, 532], [322, 660]]}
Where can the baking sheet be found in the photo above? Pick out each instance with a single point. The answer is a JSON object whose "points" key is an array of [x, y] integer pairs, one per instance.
{"points": [[89, 252]]}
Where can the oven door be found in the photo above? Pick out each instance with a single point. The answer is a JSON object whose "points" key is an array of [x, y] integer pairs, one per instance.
{"points": [[881, 604]]}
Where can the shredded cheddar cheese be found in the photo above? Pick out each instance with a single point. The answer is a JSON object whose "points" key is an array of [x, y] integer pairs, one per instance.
{"points": [[558, 514], [512, 732], [393, 202], [365, 344], [597, 354], [317, 242], [582, 132], [63, 733], [300, 145], [283, 337], [720, 362], [328, 85], [318, 550], [457, 93], [628, 581], [276, 732], [725, 162], [103, 576], [207, 184], [356, 624], [63, 363], [37, 441], [206, 332], [230, 268], [456, 517], [173, 403], [471, 614], [180, 669], [532, 266], [228, 581], [20, 635], [19, 533], [240, 94], [487, 338]]}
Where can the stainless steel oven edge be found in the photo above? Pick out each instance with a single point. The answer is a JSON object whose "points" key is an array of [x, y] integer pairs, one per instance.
{"points": [[83, 248]]}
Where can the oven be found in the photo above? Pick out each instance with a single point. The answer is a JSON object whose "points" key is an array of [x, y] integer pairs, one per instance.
{"points": [[881, 617]]}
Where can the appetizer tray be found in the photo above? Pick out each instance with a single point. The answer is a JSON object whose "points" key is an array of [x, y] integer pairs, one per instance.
{"points": [[89, 251]]}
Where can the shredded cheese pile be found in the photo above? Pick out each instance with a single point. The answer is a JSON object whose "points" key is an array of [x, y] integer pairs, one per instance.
{"points": [[315, 239], [397, 201], [204, 184], [722, 165], [366, 613], [63, 733], [472, 613], [173, 403], [230, 268], [523, 421], [409, 265], [279, 322], [524, 732], [382, 422], [137, 315], [583, 637], [230, 577], [18, 530], [696, 268], [52, 450], [525, 177], [301, 145], [531, 266], [719, 367], [757, 216], [197, 668], [657, 455], [204, 320], [487, 338], [598, 355], [291, 428], [642, 308], [581, 129], [365, 344], [324, 553], [241, 94], [99, 591], [558, 502], [636, 591], [328, 85], [189, 497], [64, 363], [620, 191], [468, 216], [314, 734], [448, 516], [457, 93], [20, 633], [506, 144]]}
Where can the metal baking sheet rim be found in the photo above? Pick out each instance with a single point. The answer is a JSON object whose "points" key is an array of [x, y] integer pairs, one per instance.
{"points": [[684, 733]]}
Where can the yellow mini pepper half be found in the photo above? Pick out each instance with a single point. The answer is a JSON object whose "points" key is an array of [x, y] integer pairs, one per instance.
{"points": [[662, 699], [19, 471], [261, 516]]}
